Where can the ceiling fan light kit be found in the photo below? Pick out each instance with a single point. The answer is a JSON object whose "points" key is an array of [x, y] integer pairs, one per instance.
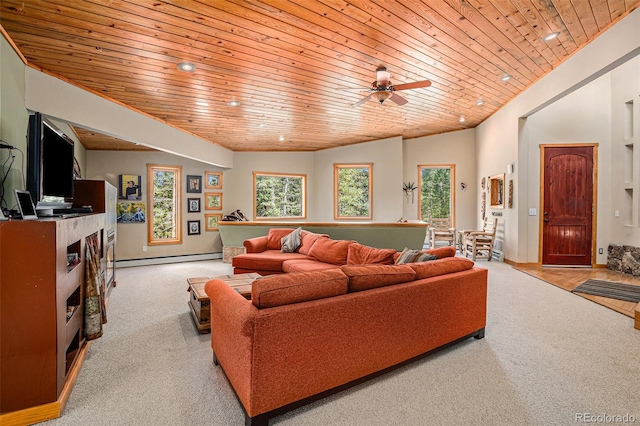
{"points": [[382, 89]]}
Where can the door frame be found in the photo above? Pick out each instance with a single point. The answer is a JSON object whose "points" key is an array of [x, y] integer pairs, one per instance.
{"points": [[594, 213]]}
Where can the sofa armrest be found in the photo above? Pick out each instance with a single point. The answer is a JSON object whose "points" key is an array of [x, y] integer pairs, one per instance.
{"points": [[256, 244]]}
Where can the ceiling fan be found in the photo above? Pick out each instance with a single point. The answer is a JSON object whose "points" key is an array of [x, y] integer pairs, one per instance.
{"points": [[382, 89]]}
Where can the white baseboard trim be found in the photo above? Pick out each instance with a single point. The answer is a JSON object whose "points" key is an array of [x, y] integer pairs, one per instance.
{"points": [[168, 259]]}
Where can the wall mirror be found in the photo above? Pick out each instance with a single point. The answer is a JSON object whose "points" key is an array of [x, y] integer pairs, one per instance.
{"points": [[496, 189]]}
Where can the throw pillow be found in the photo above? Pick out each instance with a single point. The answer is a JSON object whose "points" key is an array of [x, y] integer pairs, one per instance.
{"points": [[330, 251], [412, 256], [308, 239], [448, 265], [274, 237], [365, 255], [440, 252], [292, 241]]}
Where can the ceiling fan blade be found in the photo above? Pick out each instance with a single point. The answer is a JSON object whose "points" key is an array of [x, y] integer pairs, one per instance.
{"points": [[414, 85], [399, 100], [363, 100]]}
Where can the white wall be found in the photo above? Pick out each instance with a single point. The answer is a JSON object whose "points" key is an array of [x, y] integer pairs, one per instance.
{"points": [[64, 101], [14, 118], [625, 154], [386, 156], [239, 180], [498, 137], [108, 165], [457, 148], [584, 116]]}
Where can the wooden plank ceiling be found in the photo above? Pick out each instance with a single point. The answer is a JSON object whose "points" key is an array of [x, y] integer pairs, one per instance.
{"points": [[298, 67]]}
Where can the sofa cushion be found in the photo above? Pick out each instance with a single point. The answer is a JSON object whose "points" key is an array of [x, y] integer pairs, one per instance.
{"points": [[330, 251], [357, 254], [365, 277], [306, 265], [296, 287], [444, 266], [291, 241], [411, 256], [274, 237], [441, 252], [268, 260], [308, 238]]}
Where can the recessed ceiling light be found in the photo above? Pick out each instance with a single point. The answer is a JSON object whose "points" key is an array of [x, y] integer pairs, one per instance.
{"points": [[550, 36], [479, 102], [505, 77], [281, 138], [187, 66], [261, 125], [233, 103], [200, 103], [461, 119]]}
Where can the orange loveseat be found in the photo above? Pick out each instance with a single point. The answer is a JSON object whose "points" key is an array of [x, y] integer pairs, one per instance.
{"points": [[306, 335], [316, 252]]}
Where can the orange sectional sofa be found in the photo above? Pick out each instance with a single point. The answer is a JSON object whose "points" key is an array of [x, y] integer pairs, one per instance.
{"points": [[316, 252], [305, 335]]}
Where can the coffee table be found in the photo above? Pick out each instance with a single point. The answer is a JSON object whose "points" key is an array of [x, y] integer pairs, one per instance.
{"points": [[199, 300]]}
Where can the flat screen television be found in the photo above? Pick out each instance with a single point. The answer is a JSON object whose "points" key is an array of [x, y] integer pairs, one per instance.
{"points": [[50, 158]]}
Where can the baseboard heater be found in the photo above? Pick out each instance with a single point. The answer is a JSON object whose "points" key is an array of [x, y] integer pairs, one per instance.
{"points": [[497, 255], [167, 259]]}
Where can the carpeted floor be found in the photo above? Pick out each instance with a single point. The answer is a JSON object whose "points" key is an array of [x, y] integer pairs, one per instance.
{"points": [[548, 356]]}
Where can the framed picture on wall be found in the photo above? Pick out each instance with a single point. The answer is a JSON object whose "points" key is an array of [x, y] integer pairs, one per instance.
{"points": [[213, 201], [194, 184], [211, 221], [213, 180], [193, 227], [129, 187], [193, 205], [130, 212]]}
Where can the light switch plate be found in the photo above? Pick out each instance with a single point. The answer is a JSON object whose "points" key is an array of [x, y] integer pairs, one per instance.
{"points": [[533, 212]]}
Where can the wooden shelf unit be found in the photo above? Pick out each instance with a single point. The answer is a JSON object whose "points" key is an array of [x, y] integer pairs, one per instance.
{"points": [[102, 197], [39, 346], [42, 343]]}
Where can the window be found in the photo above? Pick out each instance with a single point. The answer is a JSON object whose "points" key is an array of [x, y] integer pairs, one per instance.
{"points": [[353, 188], [437, 198], [164, 204], [279, 196]]}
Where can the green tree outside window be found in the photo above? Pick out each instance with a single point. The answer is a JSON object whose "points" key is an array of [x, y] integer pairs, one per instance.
{"points": [[279, 196], [164, 208], [436, 192], [353, 191]]}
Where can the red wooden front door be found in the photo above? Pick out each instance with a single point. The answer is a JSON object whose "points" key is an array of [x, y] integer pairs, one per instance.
{"points": [[568, 205]]}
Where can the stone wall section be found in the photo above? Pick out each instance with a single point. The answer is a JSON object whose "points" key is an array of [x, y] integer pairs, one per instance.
{"points": [[623, 258]]}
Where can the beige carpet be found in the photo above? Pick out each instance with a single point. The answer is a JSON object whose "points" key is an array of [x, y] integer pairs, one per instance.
{"points": [[548, 356]]}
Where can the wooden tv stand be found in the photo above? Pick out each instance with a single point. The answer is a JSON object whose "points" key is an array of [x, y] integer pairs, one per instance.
{"points": [[41, 347]]}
